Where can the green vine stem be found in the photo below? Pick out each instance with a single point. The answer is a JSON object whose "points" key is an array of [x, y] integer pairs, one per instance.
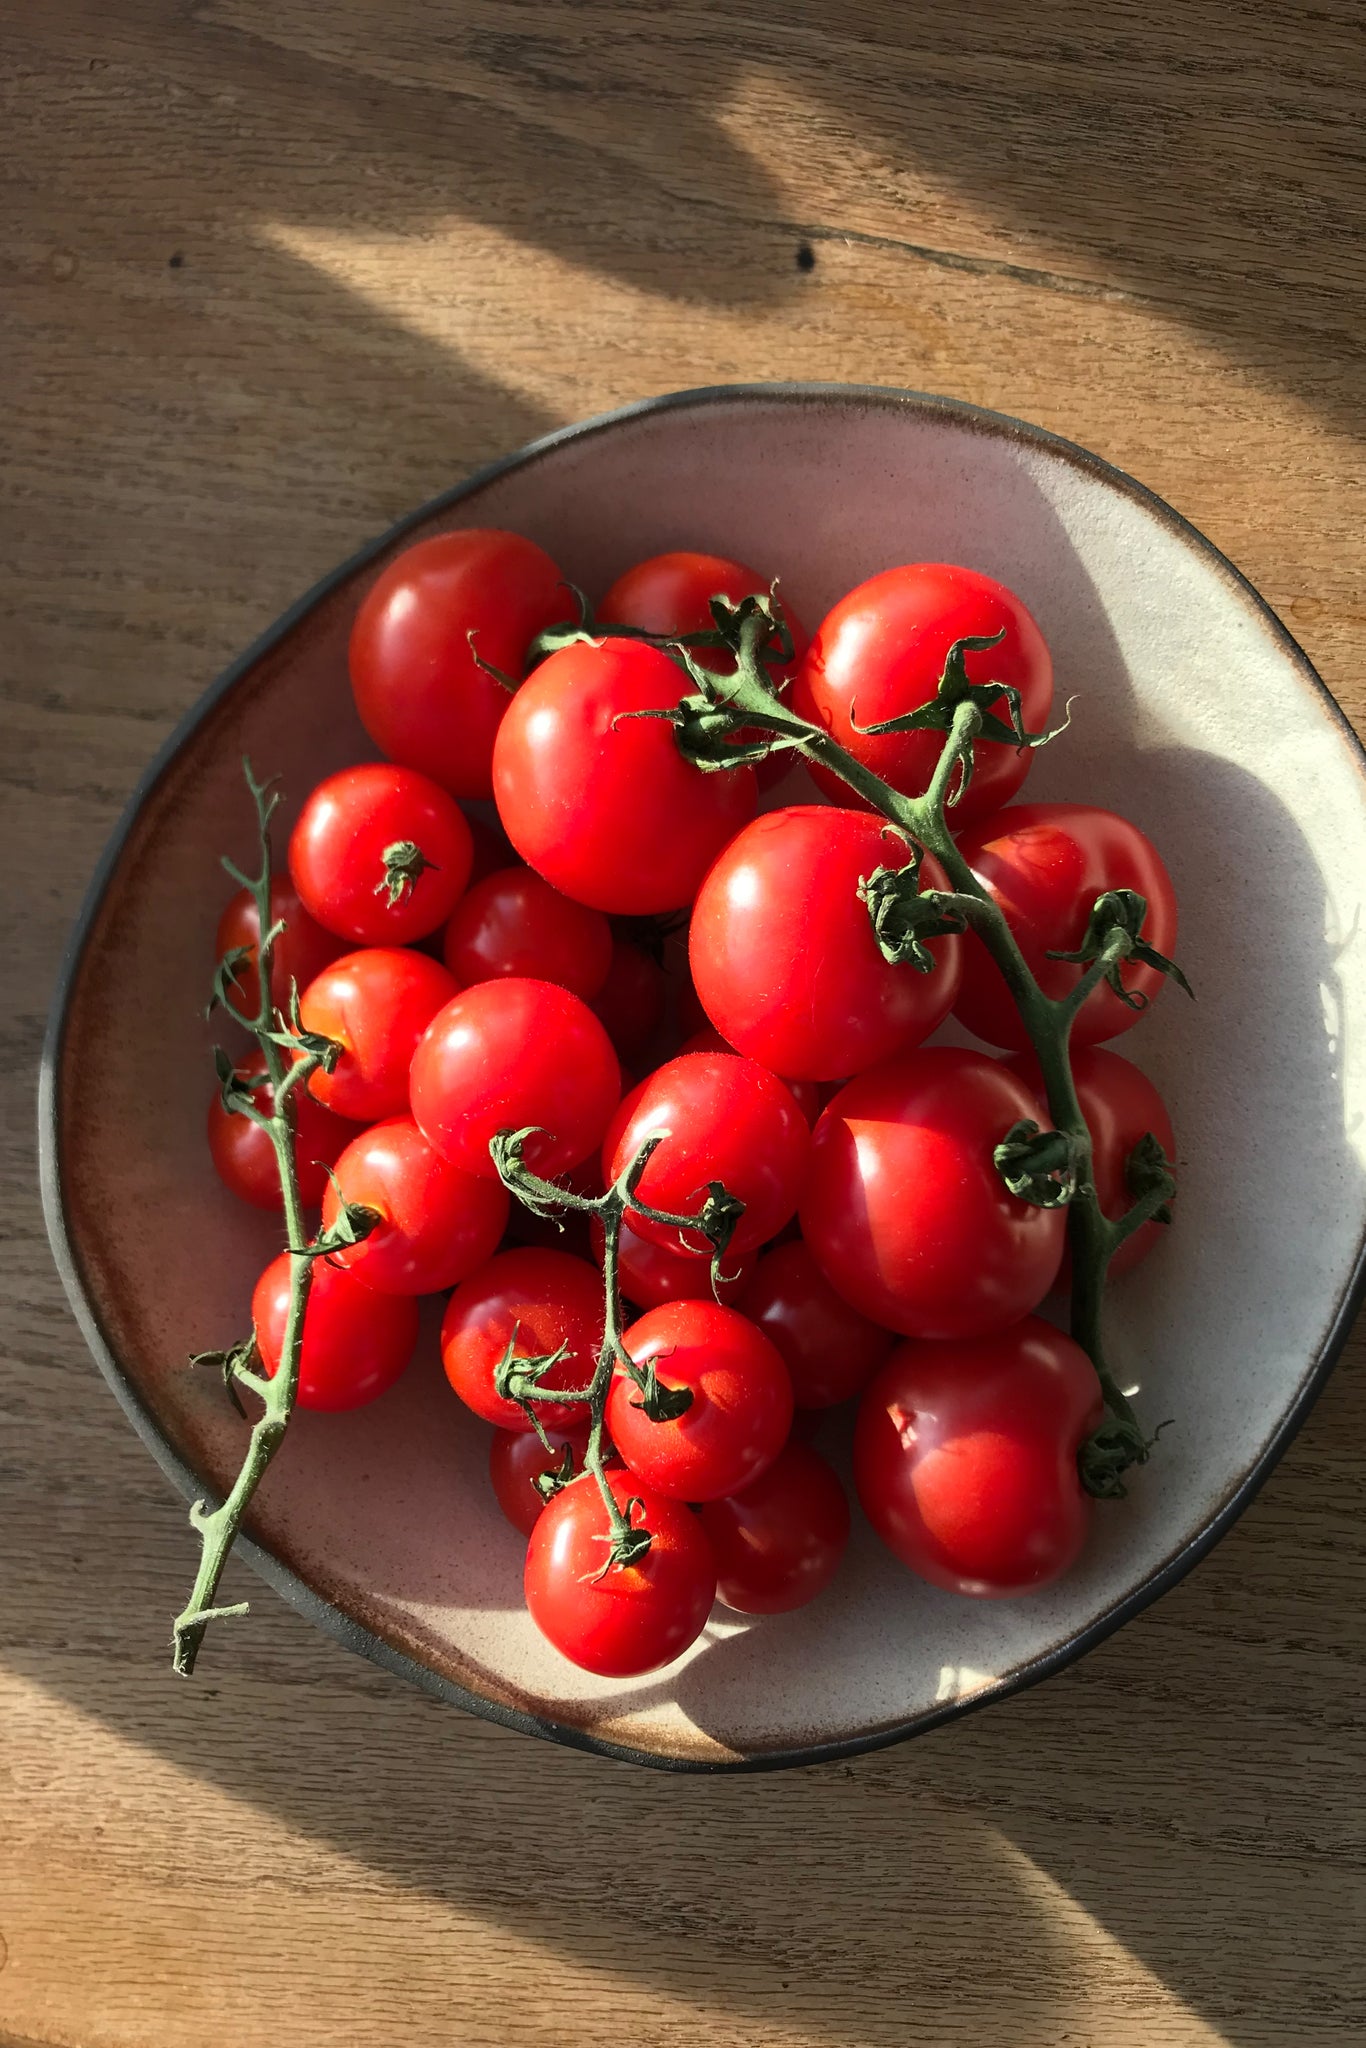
{"points": [[737, 716], [289, 1055], [520, 1379]]}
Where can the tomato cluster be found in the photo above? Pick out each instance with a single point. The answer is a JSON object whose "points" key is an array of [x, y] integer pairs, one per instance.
{"points": [[475, 980]]}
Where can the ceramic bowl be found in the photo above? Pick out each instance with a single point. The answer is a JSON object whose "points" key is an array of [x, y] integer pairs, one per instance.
{"points": [[1196, 715]]}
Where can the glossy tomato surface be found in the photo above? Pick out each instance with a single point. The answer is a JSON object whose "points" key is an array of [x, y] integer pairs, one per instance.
{"points": [[880, 653], [376, 1004], [1121, 1106], [629, 1619], [356, 1342], [806, 1094], [514, 923], [508, 1054], [783, 952], [1045, 865], [729, 1121], [599, 799], [831, 1351], [301, 951], [904, 1209], [518, 1458], [741, 1408], [965, 1458], [534, 1300], [421, 694], [338, 848], [779, 1542], [244, 1156], [437, 1224]]}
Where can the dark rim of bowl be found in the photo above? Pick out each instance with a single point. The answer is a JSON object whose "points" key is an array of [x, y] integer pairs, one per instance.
{"points": [[302, 1596]]}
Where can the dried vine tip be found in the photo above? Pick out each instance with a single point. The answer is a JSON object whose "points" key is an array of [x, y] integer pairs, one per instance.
{"points": [[1109, 1452], [1116, 925], [904, 915], [1148, 1171]]}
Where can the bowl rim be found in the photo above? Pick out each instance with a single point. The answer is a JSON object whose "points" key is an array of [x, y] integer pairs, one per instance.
{"points": [[322, 1612]]}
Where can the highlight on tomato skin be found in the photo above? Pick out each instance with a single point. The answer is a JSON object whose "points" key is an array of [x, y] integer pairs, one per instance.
{"points": [[741, 1407], [965, 1458], [435, 1225], [904, 1209], [634, 1618], [376, 1004]]}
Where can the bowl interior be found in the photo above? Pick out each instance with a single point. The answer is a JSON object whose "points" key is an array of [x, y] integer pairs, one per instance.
{"points": [[1194, 715]]}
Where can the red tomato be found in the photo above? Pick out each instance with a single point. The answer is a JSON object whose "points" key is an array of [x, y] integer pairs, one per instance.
{"points": [[965, 1458], [651, 1275], [830, 1350], [631, 1000], [779, 1542], [301, 951], [904, 1208], [376, 1003], [517, 1458], [783, 952], [632, 1618], [805, 1094], [356, 1342], [741, 1408], [508, 1054], [535, 1300], [1045, 865], [421, 695], [380, 855], [492, 847], [880, 653], [513, 923], [244, 1157], [601, 801], [439, 1224], [729, 1121], [1121, 1106], [670, 595]]}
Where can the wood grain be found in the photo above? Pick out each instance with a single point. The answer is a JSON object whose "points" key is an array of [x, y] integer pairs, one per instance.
{"points": [[273, 271]]}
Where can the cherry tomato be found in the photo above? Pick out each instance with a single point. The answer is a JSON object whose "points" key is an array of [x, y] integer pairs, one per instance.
{"points": [[1045, 865], [651, 1275], [535, 1301], [830, 1350], [356, 1342], [600, 800], [965, 1458], [421, 694], [904, 1209], [514, 923], [783, 952], [380, 855], [301, 951], [741, 1408], [631, 1618], [729, 1121], [880, 653], [1121, 1106], [517, 1458], [630, 1002], [778, 1542], [670, 595], [805, 1094], [244, 1157], [509, 1054], [438, 1224], [377, 1003]]}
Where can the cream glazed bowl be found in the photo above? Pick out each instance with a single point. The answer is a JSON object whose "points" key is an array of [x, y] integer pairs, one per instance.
{"points": [[380, 1524]]}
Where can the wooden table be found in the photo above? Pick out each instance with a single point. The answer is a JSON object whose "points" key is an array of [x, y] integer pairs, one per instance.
{"points": [[275, 270]]}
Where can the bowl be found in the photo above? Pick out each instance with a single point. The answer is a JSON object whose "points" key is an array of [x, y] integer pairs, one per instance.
{"points": [[1196, 714]]}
